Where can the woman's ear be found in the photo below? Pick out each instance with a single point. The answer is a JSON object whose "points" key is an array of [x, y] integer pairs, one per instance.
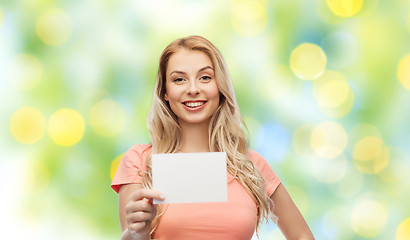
{"points": [[166, 97]]}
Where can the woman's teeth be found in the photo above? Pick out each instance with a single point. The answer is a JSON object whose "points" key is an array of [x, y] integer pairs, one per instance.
{"points": [[193, 104]]}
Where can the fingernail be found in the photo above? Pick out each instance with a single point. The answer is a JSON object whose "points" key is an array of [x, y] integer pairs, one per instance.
{"points": [[162, 197]]}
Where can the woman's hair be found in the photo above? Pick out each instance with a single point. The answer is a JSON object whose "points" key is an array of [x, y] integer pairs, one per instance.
{"points": [[225, 128]]}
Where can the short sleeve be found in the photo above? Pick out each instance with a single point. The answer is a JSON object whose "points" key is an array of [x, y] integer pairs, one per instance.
{"points": [[272, 180], [131, 167]]}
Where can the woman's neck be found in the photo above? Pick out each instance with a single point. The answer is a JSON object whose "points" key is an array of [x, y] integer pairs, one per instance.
{"points": [[195, 137]]}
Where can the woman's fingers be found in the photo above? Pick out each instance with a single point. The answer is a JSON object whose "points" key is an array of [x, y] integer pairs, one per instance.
{"points": [[137, 226], [141, 200], [140, 211], [141, 205], [139, 217], [146, 193]]}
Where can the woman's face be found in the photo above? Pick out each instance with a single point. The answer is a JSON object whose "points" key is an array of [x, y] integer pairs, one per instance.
{"points": [[191, 88]]}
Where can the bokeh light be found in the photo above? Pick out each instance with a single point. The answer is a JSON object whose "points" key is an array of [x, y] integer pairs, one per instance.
{"points": [[66, 127], [369, 218], [328, 139], [114, 165], [308, 61], [273, 137], [403, 71], [403, 230], [107, 117], [25, 71], [371, 155], [331, 89], [345, 8], [54, 27], [333, 94], [249, 18], [27, 125], [342, 110]]}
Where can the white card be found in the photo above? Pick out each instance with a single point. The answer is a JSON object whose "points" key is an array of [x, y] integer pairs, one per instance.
{"points": [[190, 177]]}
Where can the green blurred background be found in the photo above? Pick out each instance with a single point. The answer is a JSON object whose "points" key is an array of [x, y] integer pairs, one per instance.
{"points": [[324, 88]]}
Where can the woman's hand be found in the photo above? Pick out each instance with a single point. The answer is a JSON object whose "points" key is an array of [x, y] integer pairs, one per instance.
{"points": [[140, 210], [137, 210]]}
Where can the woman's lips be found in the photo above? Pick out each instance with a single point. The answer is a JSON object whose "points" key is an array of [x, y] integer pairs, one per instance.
{"points": [[194, 105]]}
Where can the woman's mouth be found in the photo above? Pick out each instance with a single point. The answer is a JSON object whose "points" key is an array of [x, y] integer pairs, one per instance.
{"points": [[194, 106]]}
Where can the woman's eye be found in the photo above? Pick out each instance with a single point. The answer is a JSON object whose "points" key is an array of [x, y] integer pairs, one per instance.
{"points": [[178, 79], [206, 77]]}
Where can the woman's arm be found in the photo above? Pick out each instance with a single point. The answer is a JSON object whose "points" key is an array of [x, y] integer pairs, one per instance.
{"points": [[290, 220], [136, 211]]}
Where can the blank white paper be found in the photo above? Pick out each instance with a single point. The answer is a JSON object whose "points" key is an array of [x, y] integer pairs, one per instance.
{"points": [[190, 177]]}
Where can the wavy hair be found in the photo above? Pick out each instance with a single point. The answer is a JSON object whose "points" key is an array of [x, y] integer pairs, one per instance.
{"points": [[225, 128]]}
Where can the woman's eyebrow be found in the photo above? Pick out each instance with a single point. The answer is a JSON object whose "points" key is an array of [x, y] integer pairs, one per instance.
{"points": [[204, 68], [176, 71]]}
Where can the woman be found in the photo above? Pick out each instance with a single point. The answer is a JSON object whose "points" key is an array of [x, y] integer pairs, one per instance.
{"points": [[195, 110]]}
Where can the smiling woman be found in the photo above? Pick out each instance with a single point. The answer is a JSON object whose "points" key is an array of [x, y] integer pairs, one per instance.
{"points": [[195, 110], [192, 92]]}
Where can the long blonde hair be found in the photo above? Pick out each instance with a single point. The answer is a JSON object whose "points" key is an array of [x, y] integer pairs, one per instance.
{"points": [[225, 128]]}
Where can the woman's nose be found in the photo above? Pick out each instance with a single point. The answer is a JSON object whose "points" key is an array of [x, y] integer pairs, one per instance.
{"points": [[193, 88]]}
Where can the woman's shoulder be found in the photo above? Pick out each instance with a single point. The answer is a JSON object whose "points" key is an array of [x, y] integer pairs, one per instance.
{"points": [[258, 159], [138, 151], [254, 156], [140, 148]]}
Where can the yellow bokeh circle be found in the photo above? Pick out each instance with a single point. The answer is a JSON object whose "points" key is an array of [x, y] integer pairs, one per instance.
{"points": [[331, 89], [341, 110], [370, 155], [54, 27], [27, 125], [308, 61], [114, 165], [368, 218], [25, 71], [345, 8], [403, 230], [249, 18], [403, 71], [107, 117], [66, 127], [333, 94], [328, 139], [367, 148]]}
